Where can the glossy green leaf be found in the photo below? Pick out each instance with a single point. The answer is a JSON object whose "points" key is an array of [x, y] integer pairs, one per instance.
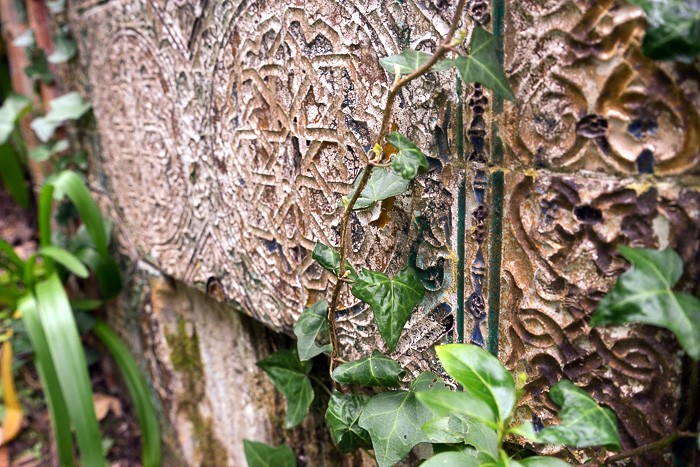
{"points": [[38, 69], [68, 183], [445, 402], [583, 422], [65, 48], [106, 270], [482, 66], [69, 360], [542, 461], [453, 459], [643, 295], [394, 419], [454, 428], [382, 184], [13, 258], [329, 259], [264, 455], [65, 258], [290, 376], [312, 324], [375, 370], [69, 106], [481, 374], [526, 430], [410, 160], [13, 108], [673, 29], [12, 175], [409, 61], [140, 394], [391, 300], [26, 39], [342, 418], [58, 411]]}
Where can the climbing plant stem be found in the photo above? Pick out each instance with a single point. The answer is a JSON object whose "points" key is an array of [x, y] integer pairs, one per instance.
{"points": [[445, 47]]}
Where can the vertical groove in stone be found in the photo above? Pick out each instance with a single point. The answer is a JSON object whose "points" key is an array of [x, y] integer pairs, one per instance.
{"points": [[461, 217]]}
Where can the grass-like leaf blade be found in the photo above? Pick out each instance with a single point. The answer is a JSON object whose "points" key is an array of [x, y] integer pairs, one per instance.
{"points": [[140, 395], [375, 370], [290, 376], [392, 300], [264, 455], [12, 175], [583, 422], [69, 360], [312, 324], [481, 374], [342, 418], [482, 66], [65, 258], [644, 295]]}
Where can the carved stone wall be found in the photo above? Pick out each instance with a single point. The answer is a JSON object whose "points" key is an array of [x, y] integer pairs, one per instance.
{"points": [[230, 129]]}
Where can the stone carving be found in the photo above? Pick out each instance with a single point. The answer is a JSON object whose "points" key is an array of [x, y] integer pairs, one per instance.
{"points": [[229, 131]]}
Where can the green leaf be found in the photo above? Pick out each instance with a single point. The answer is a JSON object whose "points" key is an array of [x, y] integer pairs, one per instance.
{"points": [[329, 259], [445, 402], [140, 394], [673, 29], [58, 411], [482, 66], [26, 39], [69, 360], [14, 259], [12, 175], [526, 430], [454, 428], [69, 106], [410, 160], [409, 61], [264, 455], [64, 257], [65, 48], [342, 418], [68, 183], [106, 270], [453, 459], [481, 374], [56, 6], [382, 184], [39, 68], [394, 419], [85, 304], [643, 295], [542, 461], [44, 152], [375, 370], [289, 375], [392, 300], [583, 422], [311, 324], [13, 108]]}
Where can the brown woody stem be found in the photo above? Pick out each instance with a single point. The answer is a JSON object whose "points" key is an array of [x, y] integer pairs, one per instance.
{"points": [[445, 47]]}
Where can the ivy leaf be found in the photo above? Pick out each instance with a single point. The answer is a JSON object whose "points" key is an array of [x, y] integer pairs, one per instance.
{"points": [[289, 375], [39, 68], [482, 66], [643, 295], [342, 417], [43, 152], [69, 106], [409, 161], [542, 461], [65, 48], [454, 459], [673, 29], [392, 300], [376, 370], [329, 259], [583, 422], [311, 324], [394, 419], [481, 374], [382, 184], [409, 61], [26, 39], [264, 455], [446, 402], [14, 108]]}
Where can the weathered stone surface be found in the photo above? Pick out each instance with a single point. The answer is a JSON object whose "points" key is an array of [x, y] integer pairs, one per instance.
{"points": [[229, 130]]}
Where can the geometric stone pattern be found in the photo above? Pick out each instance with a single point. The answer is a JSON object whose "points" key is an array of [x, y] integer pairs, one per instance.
{"points": [[229, 130]]}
